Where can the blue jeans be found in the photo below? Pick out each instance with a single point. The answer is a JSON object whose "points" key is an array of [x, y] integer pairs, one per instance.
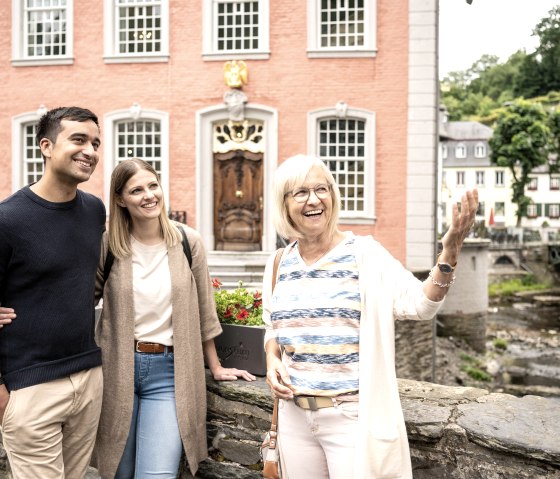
{"points": [[153, 448]]}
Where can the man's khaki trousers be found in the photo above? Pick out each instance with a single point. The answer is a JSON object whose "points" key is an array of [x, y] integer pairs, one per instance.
{"points": [[49, 429]]}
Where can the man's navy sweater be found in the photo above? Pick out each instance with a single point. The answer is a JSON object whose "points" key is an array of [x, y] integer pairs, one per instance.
{"points": [[48, 259]]}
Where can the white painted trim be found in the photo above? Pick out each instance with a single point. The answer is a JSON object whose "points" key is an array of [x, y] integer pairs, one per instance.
{"points": [[314, 50], [204, 174], [19, 56], [109, 146], [17, 150], [209, 50], [422, 137], [368, 215], [111, 26]]}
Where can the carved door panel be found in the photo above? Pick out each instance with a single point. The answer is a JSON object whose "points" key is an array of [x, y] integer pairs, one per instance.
{"points": [[238, 197]]}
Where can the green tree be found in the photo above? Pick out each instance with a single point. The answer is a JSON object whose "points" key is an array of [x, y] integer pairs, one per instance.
{"points": [[548, 51], [554, 146], [519, 142]]}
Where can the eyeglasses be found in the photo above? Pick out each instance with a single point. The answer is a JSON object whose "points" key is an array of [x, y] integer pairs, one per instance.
{"points": [[301, 195]]}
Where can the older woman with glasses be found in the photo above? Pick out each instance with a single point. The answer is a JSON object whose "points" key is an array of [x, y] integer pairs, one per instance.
{"points": [[330, 330]]}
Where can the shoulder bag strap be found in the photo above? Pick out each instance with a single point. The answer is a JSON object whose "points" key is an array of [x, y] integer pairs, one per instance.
{"points": [[274, 422]]}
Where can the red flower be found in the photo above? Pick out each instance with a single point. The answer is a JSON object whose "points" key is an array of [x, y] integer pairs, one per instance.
{"points": [[242, 315], [228, 313], [216, 283], [257, 295]]}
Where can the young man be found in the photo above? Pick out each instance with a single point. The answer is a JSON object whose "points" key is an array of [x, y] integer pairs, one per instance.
{"points": [[50, 236]]}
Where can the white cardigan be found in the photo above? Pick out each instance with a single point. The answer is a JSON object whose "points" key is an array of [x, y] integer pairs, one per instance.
{"points": [[388, 292]]}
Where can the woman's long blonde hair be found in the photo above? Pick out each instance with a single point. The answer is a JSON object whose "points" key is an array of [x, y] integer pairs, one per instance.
{"points": [[120, 221]]}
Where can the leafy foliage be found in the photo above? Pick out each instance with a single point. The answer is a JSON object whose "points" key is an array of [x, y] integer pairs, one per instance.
{"points": [[238, 306], [520, 140], [511, 286]]}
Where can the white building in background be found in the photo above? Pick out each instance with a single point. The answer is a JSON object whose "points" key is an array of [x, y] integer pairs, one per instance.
{"points": [[465, 161]]}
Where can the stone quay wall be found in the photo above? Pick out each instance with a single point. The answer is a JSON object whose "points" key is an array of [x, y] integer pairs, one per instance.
{"points": [[454, 432]]}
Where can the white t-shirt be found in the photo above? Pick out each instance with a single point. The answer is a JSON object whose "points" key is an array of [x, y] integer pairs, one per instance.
{"points": [[152, 293]]}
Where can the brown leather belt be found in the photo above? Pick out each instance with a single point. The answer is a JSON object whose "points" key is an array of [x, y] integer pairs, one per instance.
{"points": [[314, 402], [153, 348]]}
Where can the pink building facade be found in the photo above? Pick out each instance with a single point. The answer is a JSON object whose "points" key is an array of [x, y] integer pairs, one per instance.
{"points": [[353, 81]]}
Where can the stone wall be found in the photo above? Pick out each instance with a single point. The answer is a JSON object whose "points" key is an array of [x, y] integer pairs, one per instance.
{"points": [[454, 432]]}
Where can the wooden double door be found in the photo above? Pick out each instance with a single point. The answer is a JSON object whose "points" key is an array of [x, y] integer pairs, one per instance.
{"points": [[238, 201]]}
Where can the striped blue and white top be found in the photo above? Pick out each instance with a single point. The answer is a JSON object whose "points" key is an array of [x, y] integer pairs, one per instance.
{"points": [[315, 312]]}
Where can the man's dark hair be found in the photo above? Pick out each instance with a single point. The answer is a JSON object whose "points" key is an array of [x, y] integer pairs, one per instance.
{"points": [[49, 124]]}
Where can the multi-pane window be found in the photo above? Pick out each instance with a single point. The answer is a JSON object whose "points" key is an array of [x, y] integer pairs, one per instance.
{"points": [[237, 26], [342, 145], [139, 139], [33, 161], [341, 27], [499, 178], [480, 178], [480, 150], [45, 28], [460, 178], [533, 184], [555, 183], [342, 23], [532, 210], [460, 151], [444, 151], [500, 208], [139, 26], [554, 210]]}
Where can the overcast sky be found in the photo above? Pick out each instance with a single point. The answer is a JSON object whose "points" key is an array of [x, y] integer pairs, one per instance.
{"points": [[495, 27]]}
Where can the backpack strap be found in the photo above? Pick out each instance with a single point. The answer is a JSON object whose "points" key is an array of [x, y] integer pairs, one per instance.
{"points": [[186, 247], [110, 258]]}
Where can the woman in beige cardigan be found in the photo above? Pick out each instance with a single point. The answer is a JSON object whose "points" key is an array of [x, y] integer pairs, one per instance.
{"points": [[157, 324]]}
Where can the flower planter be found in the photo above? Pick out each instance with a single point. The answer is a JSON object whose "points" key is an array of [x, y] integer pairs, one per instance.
{"points": [[242, 347]]}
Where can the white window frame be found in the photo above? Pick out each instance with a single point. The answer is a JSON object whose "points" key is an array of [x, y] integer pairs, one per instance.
{"points": [[444, 151], [314, 49], [110, 144], [533, 184], [209, 33], [554, 210], [18, 151], [532, 211], [110, 36], [499, 178], [460, 151], [554, 184], [313, 118], [500, 211], [460, 179], [480, 150], [480, 177], [19, 55]]}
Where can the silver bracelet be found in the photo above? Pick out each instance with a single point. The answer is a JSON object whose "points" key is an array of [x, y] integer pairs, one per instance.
{"points": [[437, 283]]}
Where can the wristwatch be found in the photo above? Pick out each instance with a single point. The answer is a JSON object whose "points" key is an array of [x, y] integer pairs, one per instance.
{"points": [[446, 268]]}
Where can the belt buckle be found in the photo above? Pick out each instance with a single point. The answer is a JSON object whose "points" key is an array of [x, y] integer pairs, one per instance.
{"points": [[138, 344], [311, 402]]}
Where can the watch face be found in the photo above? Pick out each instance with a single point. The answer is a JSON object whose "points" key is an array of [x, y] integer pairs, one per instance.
{"points": [[445, 268]]}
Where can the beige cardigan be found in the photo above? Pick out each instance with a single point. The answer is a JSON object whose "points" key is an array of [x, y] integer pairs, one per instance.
{"points": [[194, 320]]}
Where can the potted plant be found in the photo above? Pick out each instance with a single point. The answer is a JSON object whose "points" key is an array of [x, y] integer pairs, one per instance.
{"points": [[241, 345]]}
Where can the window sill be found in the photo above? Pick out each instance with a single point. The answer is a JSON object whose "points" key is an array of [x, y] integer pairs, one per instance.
{"points": [[39, 62], [136, 59], [341, 53], [357, 220], [242, 55]]}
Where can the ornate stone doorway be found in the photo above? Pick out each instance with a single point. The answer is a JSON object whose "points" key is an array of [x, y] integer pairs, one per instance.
{"points": [[238, 151]]}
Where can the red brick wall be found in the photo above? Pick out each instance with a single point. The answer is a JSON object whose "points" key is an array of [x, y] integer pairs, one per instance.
{"points": [[288, 81]]}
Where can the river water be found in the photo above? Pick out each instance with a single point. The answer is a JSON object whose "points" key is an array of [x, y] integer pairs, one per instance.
{"points": [[531, 362]]}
